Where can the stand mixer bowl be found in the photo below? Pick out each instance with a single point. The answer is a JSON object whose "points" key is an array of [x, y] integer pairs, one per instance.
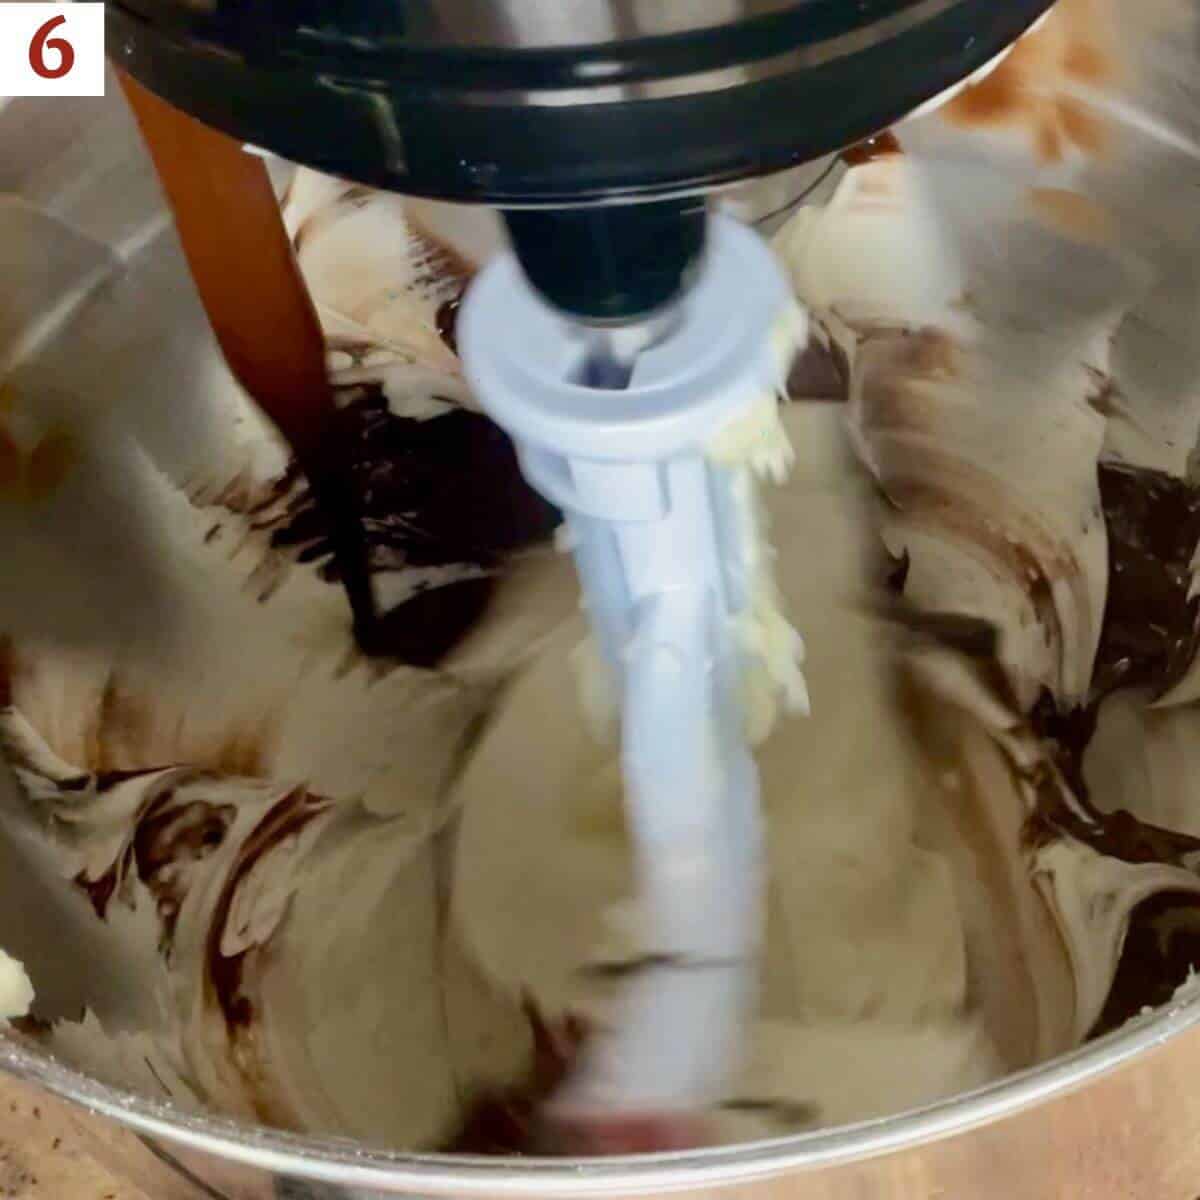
{"points": [[1120, 1116]]}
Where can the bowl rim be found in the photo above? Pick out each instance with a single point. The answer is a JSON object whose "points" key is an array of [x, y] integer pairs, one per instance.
{"points": [[346, 1163]]}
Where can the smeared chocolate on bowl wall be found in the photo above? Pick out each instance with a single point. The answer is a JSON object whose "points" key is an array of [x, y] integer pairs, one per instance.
{"points": [[442, 493]]}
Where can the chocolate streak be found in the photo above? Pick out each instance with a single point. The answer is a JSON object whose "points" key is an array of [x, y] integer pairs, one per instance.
{"points": [[285, 819], [169, 836], [1151, 627], [1148, 640], [105, 886]]}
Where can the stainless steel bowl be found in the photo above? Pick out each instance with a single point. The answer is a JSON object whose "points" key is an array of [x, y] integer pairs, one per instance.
{"points": [[1117, 1118], [111, 316]]}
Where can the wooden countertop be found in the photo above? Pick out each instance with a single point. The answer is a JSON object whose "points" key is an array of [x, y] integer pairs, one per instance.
{"points": [[1131, 1134], [50, 1150]]}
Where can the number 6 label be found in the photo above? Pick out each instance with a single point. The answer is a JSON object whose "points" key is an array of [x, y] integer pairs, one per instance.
{"points": [[51, 49]]}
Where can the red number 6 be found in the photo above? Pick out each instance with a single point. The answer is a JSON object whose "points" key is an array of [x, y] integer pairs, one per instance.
{"points": [[42, 41]]}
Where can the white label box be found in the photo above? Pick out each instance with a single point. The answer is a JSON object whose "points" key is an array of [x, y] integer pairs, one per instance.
{"points": [[51, 49]]}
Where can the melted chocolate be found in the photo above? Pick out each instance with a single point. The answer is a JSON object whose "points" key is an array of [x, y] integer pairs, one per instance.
{"points": [[101, 891], [425, 627], [1118, 835], [1162, 946], [7, 671], [1068, 736], [879, 146], [442, 492], [446, 321], [898, 567], [1148, 640], [1151, 627], [506, 1121], [819, 372]]}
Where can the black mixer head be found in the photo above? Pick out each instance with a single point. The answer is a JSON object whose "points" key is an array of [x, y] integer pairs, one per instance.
{"points": [[555, 102]]}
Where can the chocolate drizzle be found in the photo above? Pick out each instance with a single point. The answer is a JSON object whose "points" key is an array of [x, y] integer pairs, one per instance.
{"points": [[444, 492]]}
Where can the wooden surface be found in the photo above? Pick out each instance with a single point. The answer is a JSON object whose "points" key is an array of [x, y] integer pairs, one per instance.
{"points": [[1132, 1135], [53, 1151]]}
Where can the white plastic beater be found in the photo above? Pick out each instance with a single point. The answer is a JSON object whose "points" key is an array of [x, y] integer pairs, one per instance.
{"points": [[669, 552]]}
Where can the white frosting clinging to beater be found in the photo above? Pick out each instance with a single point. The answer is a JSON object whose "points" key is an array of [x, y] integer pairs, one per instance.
{"points": [[750, 450]]}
